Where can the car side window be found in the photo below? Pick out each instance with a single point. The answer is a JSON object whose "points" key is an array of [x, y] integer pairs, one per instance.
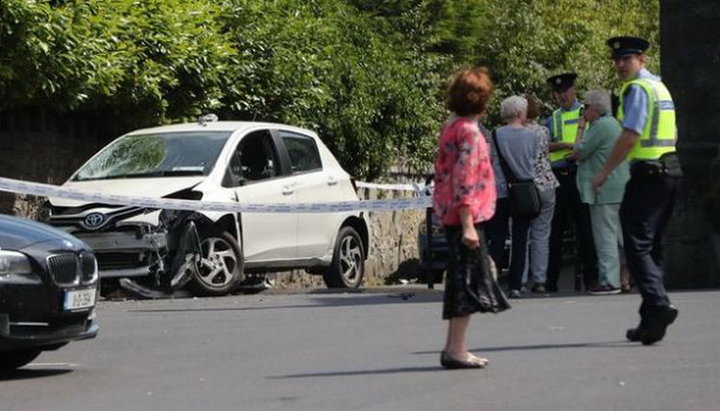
{"points": [[254, 159], [303, 152]]}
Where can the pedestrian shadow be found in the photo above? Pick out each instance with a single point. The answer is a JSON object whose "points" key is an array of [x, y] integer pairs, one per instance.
{"points": [[605, 344], [357, 373], [28, 374]]}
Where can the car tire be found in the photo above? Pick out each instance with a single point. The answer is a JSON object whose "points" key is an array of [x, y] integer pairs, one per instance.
{"points": [[11, 360], [221, 267], [348, 264]]}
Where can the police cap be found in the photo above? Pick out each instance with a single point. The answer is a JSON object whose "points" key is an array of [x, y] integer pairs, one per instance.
{"points": [[562, 82], [626, 45]]}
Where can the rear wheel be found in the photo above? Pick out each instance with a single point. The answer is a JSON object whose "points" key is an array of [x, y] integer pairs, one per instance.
{"points": [[221, 266], [11, 360], [348, 263]]}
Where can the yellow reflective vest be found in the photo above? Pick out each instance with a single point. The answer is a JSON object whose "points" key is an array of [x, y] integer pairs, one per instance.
{"points": [[660, 132], [565, 125]]}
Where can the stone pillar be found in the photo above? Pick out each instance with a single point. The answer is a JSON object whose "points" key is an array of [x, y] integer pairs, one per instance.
{"points": [[690, 65]]}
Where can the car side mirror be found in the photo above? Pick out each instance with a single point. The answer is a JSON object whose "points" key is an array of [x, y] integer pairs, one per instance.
{"points": [[233, 178]]}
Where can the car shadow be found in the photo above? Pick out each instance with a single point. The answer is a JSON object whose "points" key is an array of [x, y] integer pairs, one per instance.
{"points": [[397, 298], [28, 374]]}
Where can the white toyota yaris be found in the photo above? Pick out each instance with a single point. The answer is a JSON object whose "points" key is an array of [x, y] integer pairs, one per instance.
{"points": [[211, 252]]}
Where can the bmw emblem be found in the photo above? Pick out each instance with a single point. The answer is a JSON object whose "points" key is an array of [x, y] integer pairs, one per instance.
{"points": [[94, 220]]}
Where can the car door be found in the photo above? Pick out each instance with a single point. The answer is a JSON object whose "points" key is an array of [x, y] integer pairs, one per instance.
{"points": [[315, 183], [258, 178]]}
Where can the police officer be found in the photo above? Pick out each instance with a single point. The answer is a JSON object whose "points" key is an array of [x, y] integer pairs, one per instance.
{"points": [[563, 125], [647, 114]]}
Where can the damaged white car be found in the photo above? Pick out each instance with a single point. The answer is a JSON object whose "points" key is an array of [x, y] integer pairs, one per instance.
{"points": [[159, 251]]}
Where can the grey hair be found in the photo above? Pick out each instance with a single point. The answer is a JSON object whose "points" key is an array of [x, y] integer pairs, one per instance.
{"points": [[513, 106], [599, 98]]}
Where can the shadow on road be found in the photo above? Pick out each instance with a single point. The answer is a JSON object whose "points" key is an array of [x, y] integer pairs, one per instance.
{"points": [[356, 373], [607, 344], [27, 374], [402, 298]]}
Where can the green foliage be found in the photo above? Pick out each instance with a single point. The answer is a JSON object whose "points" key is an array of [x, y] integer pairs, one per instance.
{"points": [[527, 41], [368, 75]]}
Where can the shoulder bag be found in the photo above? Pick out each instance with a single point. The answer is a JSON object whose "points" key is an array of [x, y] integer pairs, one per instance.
{"points": [[523, 195]]}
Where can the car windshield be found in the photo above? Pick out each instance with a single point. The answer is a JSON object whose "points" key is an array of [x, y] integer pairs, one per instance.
{"points": [[156, 155]]}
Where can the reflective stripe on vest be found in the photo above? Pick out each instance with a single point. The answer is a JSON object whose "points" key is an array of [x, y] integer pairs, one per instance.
{"points": [[659, 134], [565, 125]]}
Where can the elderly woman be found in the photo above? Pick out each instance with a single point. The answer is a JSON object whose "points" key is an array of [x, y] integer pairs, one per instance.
{"points": [[592, 152], [547, 183], [519, 147], [463, 199]]}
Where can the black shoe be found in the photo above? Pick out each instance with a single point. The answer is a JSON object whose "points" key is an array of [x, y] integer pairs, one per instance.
{"points": [[453, 364], [657, 324], [634, 334], [538, 288], [551, 288]]}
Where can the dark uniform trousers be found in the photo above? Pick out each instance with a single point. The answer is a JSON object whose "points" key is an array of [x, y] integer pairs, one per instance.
{"points": [[567, 203], [644, 214]]}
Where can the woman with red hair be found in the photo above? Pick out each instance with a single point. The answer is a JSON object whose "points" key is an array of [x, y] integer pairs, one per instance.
{"points": [[463, 199]]}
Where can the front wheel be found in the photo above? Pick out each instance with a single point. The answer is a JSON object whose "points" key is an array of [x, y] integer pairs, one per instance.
{"points": [[221, 267], [11, 360], [348, 263]]}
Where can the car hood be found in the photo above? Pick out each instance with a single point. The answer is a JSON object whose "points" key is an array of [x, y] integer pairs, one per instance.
{"points": [[131, 187], [18, 233]]}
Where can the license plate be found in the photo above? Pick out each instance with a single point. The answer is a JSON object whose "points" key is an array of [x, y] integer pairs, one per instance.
{"points": [[79, 299]]}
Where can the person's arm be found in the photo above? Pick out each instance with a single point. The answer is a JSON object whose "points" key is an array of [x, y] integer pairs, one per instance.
{"points": [[462, 179], [582, 122], [635, 103], [555, 145], [560, 146], [621, 149], [470, 236], [587, 146]]}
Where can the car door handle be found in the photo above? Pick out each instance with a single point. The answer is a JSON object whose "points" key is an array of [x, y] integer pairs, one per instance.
{"points": [[288, 189], [332, 181]]}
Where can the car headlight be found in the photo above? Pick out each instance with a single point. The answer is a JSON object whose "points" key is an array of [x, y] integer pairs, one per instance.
{"points": [[15, 268]]}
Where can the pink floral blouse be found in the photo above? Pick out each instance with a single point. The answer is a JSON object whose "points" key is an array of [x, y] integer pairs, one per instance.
{"points": [[463, 173]]}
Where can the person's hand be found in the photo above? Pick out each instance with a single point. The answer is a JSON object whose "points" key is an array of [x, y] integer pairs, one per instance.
{"points": [[573, 155], [582, 121], [598, 181], [470, 237]]}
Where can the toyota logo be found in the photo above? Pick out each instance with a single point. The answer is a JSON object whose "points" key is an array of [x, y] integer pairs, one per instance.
{"points": [[94, 220]]}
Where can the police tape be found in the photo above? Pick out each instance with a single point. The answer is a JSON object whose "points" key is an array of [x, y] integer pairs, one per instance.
{"points": [[416, 188], [48, 190]]}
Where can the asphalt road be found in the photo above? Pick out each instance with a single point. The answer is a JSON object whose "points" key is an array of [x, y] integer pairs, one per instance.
{"points": [[375, 351]]}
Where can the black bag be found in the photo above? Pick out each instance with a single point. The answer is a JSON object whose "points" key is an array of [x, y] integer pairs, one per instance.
{"points": [[523, 195]]}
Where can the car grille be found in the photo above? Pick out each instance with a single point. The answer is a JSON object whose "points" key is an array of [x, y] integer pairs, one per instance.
{"points": [[67, 269]]}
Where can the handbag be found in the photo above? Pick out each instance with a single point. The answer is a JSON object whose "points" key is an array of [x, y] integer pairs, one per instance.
{"points": [[523, 195]]}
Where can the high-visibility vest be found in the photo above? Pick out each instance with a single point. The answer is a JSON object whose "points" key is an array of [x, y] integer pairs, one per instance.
{"points": [[565, 125], [660, 132]]}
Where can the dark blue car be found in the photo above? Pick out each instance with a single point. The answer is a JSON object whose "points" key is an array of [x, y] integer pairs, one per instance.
{"points": [[48, 290]]}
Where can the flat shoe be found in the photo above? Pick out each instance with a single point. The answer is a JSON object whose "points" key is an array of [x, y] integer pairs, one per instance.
{"points": [[451, 363]]}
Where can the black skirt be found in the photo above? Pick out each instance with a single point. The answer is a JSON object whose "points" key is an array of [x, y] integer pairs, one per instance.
{"points": [[471, 284]]}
